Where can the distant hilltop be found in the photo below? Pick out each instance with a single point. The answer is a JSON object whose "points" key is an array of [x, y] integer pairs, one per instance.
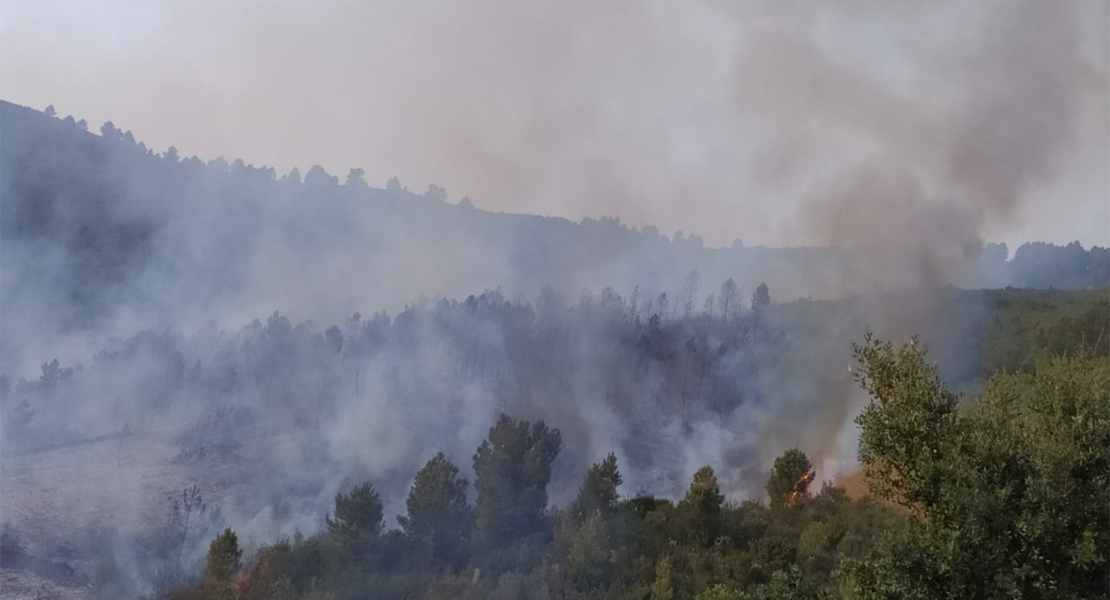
{"points": [[98, 228]]}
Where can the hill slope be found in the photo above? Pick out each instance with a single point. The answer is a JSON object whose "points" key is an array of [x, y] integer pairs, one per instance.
{"points": [[100, 234]]}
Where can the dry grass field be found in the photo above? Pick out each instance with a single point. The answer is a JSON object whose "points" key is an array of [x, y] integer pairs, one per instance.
{"points": [[60, 503]]}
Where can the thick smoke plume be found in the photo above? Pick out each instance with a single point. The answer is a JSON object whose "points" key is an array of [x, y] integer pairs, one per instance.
{"points": [[1000, 121], [209, 315], [729, 119]]}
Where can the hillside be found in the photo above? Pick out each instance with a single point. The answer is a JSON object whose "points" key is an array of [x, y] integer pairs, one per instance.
{"points": [[177, 330], [171, 323], [271, 420], [102, 234], [717, 306]]}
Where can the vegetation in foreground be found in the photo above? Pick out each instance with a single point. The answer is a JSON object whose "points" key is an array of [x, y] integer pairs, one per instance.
{"points": [[1003, 497]]}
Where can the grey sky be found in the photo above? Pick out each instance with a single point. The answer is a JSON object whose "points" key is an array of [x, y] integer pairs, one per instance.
{"points": [[725, 118]]}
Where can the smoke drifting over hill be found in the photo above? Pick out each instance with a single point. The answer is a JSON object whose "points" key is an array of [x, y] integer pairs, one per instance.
{"points": [[224, 314], [689, 116]]}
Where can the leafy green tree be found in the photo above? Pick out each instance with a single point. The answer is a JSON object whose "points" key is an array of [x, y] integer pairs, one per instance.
{"points": [[815, 539], [907, 427], [512, 469], [786, 584], [598, 493], [439, 518], [224, 563], [662, 588], [1007, 499], [788, 470], [588, 566], [720, 592], [358, 519]]}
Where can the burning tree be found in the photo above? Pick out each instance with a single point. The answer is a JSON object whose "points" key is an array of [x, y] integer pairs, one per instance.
{"points": [[801, 489], [790, 478]]}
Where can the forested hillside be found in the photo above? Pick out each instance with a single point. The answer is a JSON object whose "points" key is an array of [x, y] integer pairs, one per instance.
{"points": [[102, 234], [316, 411], [281, 356], [726, 300], [1001, 497], [144, 267]]}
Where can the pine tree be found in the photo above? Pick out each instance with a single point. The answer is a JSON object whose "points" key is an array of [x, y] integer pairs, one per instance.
{"points": [[512, 469], [701, 508], [728, 299], [439, 518], [224, 563], [358, 519], [598, 493], [705, 492], [761, 299]]}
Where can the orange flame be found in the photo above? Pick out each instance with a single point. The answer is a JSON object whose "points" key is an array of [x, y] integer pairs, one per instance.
{"points": [[801, 489], [243, 583]]}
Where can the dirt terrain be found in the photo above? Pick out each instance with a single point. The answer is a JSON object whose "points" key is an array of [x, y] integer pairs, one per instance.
{"points": [[62, 503], [17, 584]]}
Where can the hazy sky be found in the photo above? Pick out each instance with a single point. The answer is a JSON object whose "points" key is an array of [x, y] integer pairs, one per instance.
{"points": [[721, 117]]}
